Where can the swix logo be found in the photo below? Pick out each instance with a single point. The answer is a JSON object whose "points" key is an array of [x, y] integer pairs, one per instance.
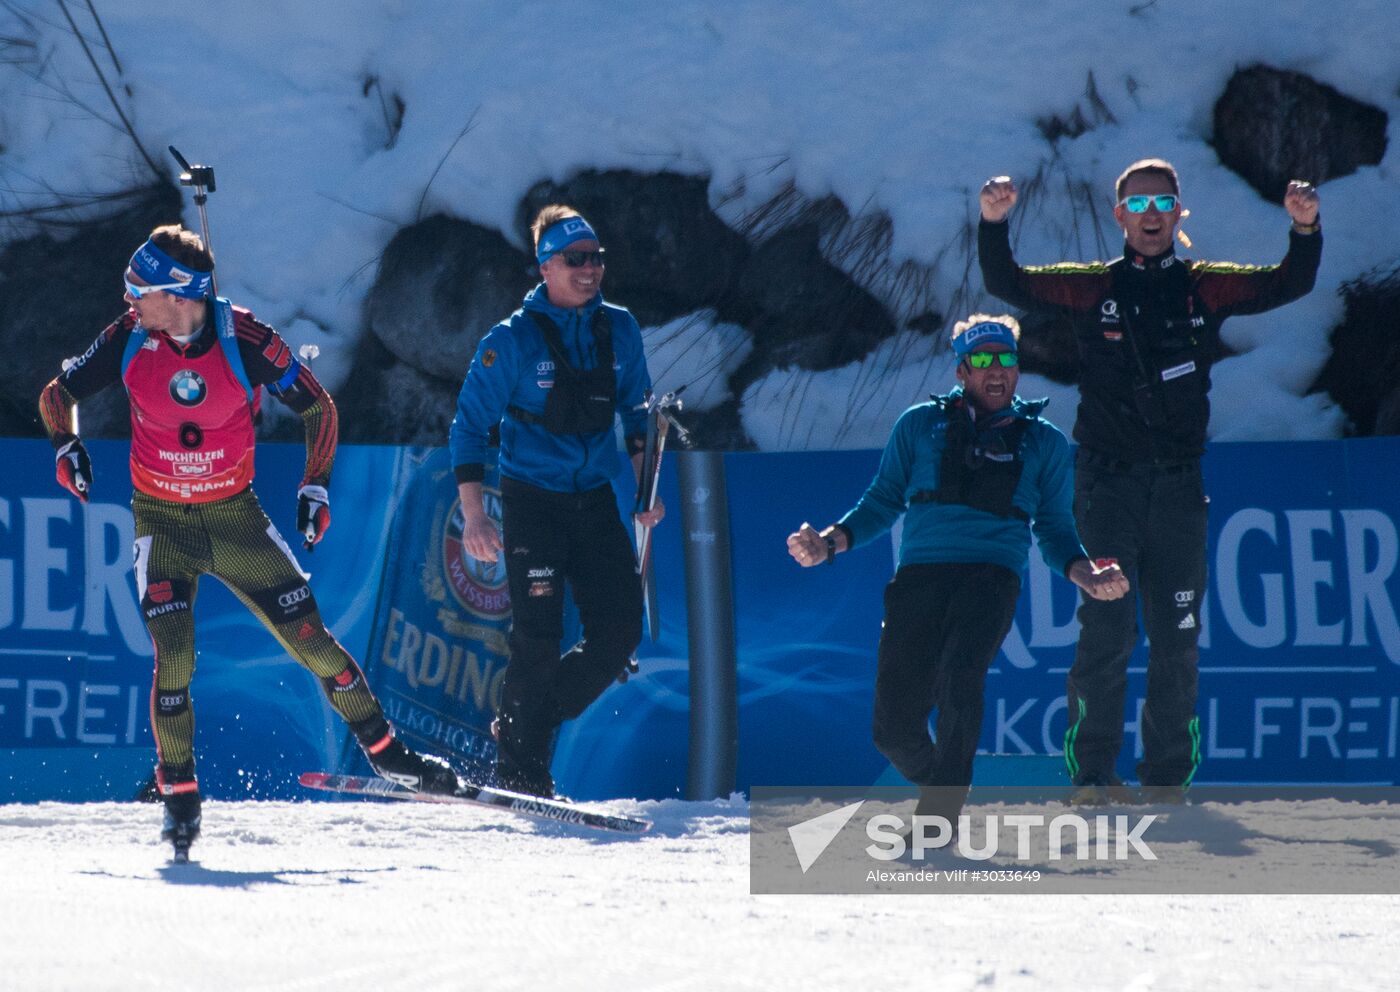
{"points": [[540, 573], [160, 592]]}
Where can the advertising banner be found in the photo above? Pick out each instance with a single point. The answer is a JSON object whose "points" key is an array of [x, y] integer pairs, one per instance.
{"points": [[1300, 644], [1300, 659], [439, 649], [76, 662]]}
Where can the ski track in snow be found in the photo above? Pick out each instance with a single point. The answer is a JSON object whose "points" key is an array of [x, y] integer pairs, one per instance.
{"points": [[351, 895]]}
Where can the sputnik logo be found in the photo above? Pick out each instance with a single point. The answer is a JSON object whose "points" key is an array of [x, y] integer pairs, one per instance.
{"points": [[811, 838]]}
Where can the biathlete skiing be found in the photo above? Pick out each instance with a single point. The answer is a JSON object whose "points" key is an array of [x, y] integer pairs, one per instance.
{"points": [[194, 366]]}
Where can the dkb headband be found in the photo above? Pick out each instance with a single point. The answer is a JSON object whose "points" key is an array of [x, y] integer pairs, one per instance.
{"points": [[987, 332], [559, 235], [156, 268]]}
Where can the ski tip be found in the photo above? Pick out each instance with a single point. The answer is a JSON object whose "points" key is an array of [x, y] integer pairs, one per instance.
{"points": [[313, 780]]}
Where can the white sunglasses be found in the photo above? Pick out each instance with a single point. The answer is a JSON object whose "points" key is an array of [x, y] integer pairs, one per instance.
{"points": [[139, 291]]}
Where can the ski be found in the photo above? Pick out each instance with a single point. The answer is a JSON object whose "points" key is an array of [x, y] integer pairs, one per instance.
{"points": [[554, 810]]}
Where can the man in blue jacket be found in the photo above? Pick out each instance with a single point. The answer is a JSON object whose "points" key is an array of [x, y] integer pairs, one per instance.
{"points": [[554, 376], [974, 472]]}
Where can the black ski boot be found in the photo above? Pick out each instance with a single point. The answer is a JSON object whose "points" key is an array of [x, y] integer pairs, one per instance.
{"points": [[1101, 790], [520, 766], [420, 772], [180, 793]]}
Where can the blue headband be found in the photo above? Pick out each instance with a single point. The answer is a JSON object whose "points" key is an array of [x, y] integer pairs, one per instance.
{"points": [[156, 268], [559, 235], [987, 332]]}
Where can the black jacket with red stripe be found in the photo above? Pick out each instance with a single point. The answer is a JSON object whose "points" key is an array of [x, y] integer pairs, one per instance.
{"points": [[1147, 332]]}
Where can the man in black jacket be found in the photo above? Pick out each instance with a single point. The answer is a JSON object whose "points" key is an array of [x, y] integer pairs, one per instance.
{"points": [[1147, 329]]}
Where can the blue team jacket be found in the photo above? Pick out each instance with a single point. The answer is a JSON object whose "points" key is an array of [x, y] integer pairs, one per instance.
{"points": [[942, 532], [513, 367]]}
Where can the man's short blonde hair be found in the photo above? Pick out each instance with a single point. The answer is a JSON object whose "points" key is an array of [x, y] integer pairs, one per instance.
{"points": [[1005, 319]]}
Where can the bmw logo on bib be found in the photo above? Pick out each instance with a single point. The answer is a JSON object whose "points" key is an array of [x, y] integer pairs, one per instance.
{"points": [[187, 388]]}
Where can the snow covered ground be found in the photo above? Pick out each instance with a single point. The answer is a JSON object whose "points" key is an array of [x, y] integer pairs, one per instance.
{"points": [[329, 895]]}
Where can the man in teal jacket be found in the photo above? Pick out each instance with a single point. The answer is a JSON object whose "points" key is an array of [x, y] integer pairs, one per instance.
{"points": [[974, 472]]}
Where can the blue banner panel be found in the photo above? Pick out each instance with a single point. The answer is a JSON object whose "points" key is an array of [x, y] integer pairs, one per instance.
{"points": [[439, 650], [76, 663], [1300, 661], [1300, 645]]}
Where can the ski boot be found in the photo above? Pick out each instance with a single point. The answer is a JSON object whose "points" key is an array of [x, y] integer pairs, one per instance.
{"points": [[180, 793], [393, 760], [519, 767], [1101, 790], [944, 801], [1163, 795]]}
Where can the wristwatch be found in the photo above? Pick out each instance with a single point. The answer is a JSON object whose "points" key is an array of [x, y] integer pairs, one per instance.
{"points": [[830, 539]]}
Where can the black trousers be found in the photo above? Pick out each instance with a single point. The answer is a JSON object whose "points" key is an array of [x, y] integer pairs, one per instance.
{"points": [[943, 626], [552, 538], [1153, 520]]}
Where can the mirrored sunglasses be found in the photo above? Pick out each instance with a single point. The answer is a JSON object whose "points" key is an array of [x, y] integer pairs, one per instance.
{"points": [[984, 359], [139, 291], [577, 259], [1164, 202]]}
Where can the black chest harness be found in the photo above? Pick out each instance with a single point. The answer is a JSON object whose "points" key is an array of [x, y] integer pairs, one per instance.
{"points": [[979, 470], [1167, 337], [582, 401]]}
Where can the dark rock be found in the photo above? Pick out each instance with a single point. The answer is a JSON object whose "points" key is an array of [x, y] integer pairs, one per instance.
{"points": [[718, 428], [808, 312], [668, 254], [928, 323], [442, 284], [1272, 125], [1363, 372], [40, 326], [387, 401], [1078, 120]]}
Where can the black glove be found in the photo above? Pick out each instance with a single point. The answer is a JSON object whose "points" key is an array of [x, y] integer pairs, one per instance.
{"points": [[313, 514], [74, 469]]}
